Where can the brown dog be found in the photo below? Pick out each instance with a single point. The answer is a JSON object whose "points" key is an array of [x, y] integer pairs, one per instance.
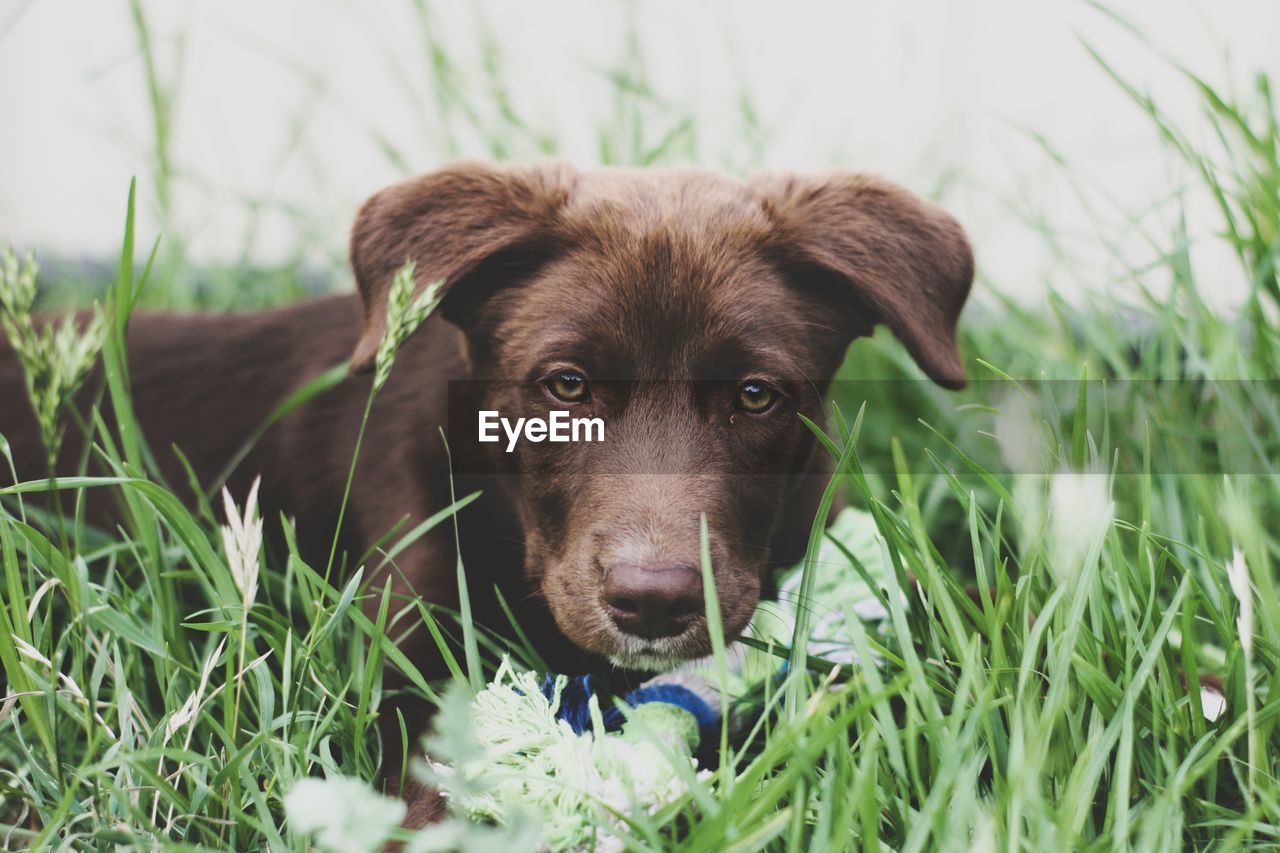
{"points": [[696, 315]]}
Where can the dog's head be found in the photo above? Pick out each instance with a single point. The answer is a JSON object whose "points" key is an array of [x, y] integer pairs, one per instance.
{"points": [[697, 316]]}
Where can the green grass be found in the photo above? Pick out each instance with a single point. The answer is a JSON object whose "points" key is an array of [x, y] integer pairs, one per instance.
{"points": [[143, 704]]}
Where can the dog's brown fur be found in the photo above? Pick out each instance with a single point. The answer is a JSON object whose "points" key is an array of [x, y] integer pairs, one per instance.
{"points": [[667, 289]]}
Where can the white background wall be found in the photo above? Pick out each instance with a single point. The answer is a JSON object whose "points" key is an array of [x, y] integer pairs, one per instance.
{"points": [[285, 101]]}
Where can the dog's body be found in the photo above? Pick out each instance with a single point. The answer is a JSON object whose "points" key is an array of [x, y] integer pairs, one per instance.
{"points": [[695, 314], [205, 383]]}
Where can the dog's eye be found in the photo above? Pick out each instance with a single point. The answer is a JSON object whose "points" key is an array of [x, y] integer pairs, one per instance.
{"points": [[568, 386], [755, 397]]}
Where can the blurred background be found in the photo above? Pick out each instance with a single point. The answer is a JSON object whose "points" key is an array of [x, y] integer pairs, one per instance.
{"points": [[256, 129]]}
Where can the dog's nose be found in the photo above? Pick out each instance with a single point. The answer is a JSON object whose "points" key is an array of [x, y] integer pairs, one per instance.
{"points": [[653, 601]]}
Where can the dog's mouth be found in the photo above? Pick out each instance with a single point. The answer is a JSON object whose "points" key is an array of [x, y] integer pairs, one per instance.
{"points": [[659, 654], [649, 656], [653, 628]]}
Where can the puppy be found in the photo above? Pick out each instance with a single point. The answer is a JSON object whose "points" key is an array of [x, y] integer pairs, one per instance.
{"points": [[697, 316]]}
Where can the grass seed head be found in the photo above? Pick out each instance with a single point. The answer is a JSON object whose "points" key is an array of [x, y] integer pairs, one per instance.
{"points": [[405, 314], [55, 358], [242, 540], [1238, 575]]}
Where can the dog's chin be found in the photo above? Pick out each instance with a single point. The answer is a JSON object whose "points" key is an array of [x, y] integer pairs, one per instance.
{"points": [[661, 655], [644, 662]]}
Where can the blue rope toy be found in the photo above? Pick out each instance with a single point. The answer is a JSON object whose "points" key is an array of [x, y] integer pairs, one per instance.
{"points": [[576, 694]]}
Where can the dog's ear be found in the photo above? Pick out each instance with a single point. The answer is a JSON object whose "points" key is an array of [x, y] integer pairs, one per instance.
{"points": [[893, 258], [453, 224]]}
